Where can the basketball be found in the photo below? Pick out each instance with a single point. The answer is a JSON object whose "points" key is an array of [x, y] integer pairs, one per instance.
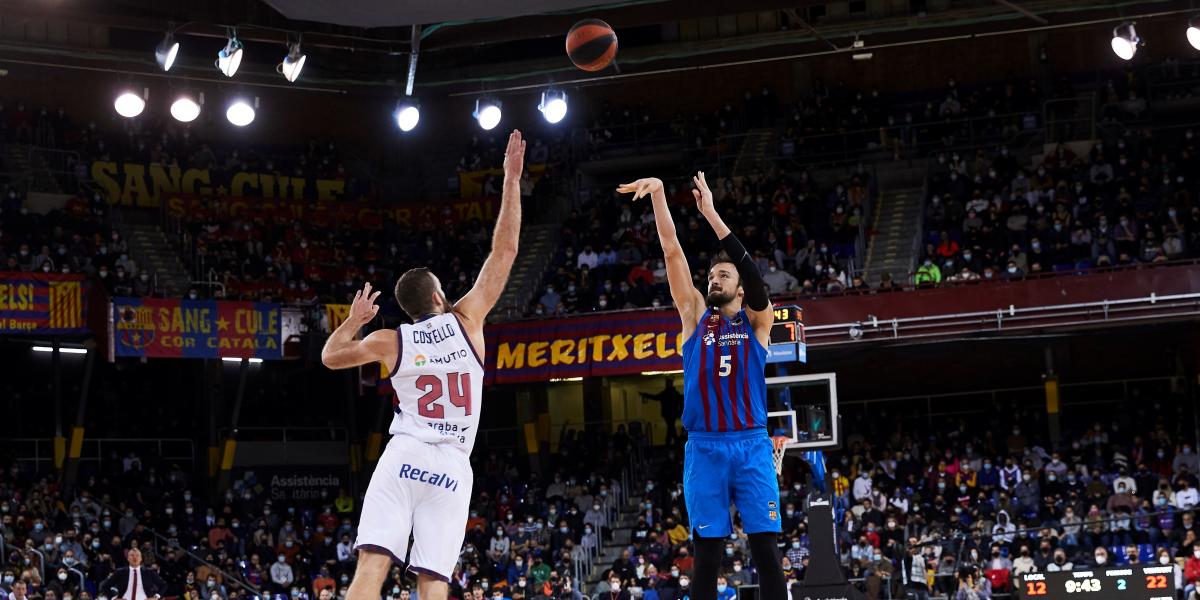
{"points": [[591, 44]]}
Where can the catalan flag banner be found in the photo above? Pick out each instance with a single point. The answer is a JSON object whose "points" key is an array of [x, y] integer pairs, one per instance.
{"points": [[166, 328], [38, 303]]}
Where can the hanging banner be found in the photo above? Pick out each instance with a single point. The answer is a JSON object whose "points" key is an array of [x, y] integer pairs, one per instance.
{"points": [[150, 327], [330, 214], [586, 346], [135, 184], [38, 303]]}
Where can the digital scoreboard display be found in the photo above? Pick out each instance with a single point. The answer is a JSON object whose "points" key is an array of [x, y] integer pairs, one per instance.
{"points": [[1134, 582], [786, 343]]}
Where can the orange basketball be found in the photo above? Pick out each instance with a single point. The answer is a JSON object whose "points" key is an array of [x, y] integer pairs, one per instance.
{"points": [[591, 44]]}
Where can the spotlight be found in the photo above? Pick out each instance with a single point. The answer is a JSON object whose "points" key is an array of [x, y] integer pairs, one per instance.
{"points": [[129, 104], [1193, 32], [553, 106], [166, 52], [407, 115], [230, 57], [1125, 41], [292, 63], [240, 113], [185, 110], [487, 112]]}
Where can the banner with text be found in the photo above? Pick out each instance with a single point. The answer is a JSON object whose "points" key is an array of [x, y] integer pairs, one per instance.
{"points": [[331, 213], [593, 345], [195, 329], [42, 303], [135, 184]]}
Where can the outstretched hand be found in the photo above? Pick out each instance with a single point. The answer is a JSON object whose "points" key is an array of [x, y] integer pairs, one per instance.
{"points": [[363, 308], [514, 154], [641, 187], [704, 197]]}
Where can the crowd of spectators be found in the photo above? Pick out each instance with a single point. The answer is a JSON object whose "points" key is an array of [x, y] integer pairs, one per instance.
{"points": [[802, 233], [959, 508], [72, 240], [1125, 201]]}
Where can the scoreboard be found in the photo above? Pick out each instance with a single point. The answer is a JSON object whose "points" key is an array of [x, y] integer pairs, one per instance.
{"points": [[1133, 582], [787, 336]]}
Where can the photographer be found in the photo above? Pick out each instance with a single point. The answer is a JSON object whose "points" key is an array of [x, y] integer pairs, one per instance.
{"points": [[973, 587]]}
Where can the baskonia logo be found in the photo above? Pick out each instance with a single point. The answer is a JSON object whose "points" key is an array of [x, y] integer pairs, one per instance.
{"points": [[419, 360]]}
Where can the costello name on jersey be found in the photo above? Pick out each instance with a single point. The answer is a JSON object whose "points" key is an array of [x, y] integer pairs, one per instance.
{"points": [[408, 471], [434, 336]]}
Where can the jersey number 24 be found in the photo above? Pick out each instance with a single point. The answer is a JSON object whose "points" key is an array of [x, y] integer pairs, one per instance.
{"points": [[457, 388]]}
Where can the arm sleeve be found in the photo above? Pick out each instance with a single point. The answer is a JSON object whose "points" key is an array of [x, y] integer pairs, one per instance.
{"points": [[752, 281]]}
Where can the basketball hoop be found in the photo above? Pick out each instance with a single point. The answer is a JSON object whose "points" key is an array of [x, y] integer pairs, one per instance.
{"points": [[778, 448]]}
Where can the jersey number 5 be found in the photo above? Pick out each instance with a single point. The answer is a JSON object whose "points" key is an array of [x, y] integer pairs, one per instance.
{"points": [[726, 366], [459, 388]]}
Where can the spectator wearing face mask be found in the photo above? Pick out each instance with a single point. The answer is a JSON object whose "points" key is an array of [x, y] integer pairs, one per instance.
{"points": [[282, 575], [1186, 458], [1191, 573]]}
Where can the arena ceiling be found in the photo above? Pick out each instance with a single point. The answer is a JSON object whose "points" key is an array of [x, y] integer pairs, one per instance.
{"points": [[370, 14], [468, 45]]}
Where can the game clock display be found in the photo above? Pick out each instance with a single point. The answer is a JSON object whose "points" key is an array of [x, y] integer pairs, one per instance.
{"points": [[1107, 583]]}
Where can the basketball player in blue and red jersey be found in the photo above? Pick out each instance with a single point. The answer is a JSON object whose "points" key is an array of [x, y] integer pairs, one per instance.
{"points": [[728, 457]]}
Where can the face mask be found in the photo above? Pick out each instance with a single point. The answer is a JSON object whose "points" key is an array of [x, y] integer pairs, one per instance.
{"points": [[796, 545], [282, 558], [62, 576], [616, 587], [8, 579], [674, 572], [683, 582], [1101, 559], [737, 568]]}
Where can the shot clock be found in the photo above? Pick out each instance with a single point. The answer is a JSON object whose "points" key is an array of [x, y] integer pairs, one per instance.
{"points": [[1100, 583]]}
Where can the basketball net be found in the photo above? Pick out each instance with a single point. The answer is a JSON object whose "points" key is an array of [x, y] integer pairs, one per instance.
{"points": [[778, 448]]}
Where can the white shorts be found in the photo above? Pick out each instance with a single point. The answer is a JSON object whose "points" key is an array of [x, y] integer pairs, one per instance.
{"points": [[423, 489]]}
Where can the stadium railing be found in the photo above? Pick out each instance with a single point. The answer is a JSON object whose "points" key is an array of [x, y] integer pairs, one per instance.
{"points": [[99, 450]]}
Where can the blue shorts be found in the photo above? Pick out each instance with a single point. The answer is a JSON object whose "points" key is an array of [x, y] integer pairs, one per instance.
{"points": [[720, 469]]}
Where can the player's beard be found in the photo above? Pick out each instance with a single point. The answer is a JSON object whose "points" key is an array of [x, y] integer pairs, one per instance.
{"points": [[719, 298]]}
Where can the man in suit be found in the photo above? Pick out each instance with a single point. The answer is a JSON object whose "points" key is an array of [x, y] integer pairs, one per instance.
{"points": [[133, 582]]}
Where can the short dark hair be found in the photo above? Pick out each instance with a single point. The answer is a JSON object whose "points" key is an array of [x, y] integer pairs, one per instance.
{"points": [[723, 257], [414, 292]]}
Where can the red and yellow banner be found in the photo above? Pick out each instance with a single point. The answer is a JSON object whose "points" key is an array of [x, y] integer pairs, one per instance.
{"points": [[322, 215], [592, 345], [42, 303], [164, 328]]}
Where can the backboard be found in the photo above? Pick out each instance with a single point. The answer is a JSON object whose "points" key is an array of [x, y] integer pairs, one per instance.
{"points": [[804, 407]]}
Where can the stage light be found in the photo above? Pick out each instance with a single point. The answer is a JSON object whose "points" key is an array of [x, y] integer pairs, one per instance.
{"points": [[1125, 41], [232, 359], [407, 116], [166, 52], [487, 113], [185, 110], [293, 63], [129, 104], [230, 57], [240, 113], [1193, 32], [553, 106]]}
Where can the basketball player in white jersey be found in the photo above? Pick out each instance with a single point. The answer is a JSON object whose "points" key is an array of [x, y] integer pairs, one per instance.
{"points": [[422, 483]]}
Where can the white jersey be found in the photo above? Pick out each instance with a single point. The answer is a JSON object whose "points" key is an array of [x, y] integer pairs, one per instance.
{"points": [[438, 383]]}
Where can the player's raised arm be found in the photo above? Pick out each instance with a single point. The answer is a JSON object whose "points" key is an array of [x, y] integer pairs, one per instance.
{"points": [[755, 299], [342, 351], [493, 275], [688, 299]]}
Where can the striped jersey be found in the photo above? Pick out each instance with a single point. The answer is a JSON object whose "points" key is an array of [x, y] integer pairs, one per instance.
{"points": [[437, 382], [724, 370]]}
